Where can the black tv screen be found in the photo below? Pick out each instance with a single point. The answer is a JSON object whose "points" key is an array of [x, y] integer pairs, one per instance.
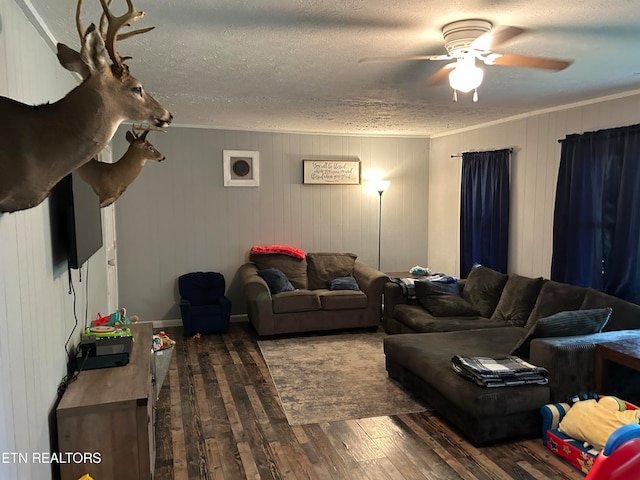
{"points": [[76, 220]]}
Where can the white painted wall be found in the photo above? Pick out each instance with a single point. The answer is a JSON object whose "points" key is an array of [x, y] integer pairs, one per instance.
{"points": [[535, 163], [36, 310], [178, 217]]}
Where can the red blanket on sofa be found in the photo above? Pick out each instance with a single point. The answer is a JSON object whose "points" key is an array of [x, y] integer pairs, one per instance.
{"points": [[283, 249]]}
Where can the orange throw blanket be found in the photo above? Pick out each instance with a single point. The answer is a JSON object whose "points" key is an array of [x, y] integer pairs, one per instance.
{"points": [[283, 249]]}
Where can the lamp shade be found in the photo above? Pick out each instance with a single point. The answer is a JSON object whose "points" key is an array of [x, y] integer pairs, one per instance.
{"points": [[466, 76], [379, 185]]}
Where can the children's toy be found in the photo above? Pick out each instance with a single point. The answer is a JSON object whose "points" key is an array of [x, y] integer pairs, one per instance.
{"points": [[418, 270], [575, 450], [102, 331], [594, 420], [620, 458], [161, 341], [116, 319]]}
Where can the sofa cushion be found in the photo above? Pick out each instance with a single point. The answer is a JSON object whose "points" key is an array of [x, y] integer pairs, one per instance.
{"points": [[556, 297], [517, 300], [296, 301], [483, 288], [415, 318], [443, 299], [342, 299], [324, 266], [294, 268], [276, 280], [343, 283], [563, 324]]}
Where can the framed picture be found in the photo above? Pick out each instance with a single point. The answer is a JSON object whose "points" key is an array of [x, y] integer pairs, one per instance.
{"points": [[241, 168], [331, 172]]}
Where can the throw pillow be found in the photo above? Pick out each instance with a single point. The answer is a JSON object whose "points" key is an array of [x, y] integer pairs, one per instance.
{"points": [[483, 288], [517, 300], [325, 266], [443, 300], [556, 297], [344, 283], [563, 324], [276, 280]]}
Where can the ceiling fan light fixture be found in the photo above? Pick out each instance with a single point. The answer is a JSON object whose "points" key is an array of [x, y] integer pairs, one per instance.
{"points": [[466, 76]]}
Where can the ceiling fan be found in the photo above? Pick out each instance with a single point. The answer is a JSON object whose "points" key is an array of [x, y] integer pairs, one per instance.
{"points": [[468, 41]]}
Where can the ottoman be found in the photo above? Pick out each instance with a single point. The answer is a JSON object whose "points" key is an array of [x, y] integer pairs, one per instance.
{"points": [[422, 363]]}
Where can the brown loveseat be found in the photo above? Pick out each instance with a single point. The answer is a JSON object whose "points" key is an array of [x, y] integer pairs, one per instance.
{"points": [[319, 296]]}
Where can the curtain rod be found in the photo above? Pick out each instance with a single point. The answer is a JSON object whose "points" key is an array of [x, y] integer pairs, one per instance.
{"points": [[460, 154]]}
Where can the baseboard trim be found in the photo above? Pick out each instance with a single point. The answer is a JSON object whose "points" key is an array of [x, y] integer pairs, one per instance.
{"points": [[177, 322], [174, 322]]}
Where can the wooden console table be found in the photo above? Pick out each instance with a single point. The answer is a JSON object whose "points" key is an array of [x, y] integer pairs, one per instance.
{"points": [[623, 352], [107, 415]]}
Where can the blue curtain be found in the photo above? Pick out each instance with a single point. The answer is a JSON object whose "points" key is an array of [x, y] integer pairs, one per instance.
{"points": [[596, 226], [484, 210]]}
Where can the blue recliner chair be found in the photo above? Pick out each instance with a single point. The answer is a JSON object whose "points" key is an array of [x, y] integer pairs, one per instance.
{"points": [[203, 306]]}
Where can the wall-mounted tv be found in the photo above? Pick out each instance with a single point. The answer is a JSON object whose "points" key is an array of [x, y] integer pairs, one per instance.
{"points": [[76, 220]]}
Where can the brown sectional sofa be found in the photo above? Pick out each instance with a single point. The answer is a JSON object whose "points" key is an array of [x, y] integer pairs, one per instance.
{"points": [[508, 309], [312, 304]]}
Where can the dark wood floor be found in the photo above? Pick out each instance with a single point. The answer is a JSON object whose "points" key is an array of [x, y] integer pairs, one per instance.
{"points": [[219, 417]]}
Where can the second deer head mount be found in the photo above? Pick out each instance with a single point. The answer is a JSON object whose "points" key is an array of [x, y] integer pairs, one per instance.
{"points": [[110, 180], [41, 144]]}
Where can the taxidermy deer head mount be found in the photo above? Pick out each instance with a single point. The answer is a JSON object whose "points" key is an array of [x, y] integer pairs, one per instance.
{"points": [[110, 180], [41, 144]]}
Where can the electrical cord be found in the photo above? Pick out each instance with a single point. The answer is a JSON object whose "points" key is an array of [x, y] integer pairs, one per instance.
{"points": [[72, 372], [86, 297], [71, 376], [72, 290]]}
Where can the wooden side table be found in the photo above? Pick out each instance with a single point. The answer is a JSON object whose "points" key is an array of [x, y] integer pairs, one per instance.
{"points": [[622, 352]]}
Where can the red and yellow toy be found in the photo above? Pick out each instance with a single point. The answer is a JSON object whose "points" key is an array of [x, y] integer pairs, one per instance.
{"points": [[116, 319], [620, 457]]}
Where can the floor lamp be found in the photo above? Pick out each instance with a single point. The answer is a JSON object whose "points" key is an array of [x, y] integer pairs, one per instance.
{"points": [[380, 186]]}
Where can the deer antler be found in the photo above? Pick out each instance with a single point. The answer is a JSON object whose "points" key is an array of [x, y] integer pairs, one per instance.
{"points": [[103, 19], [144, 129], [79, 26], [110, 33], [114, 25]]}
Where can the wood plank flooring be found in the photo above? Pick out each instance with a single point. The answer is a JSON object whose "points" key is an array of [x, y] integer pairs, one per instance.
{"points": [[218, 417]]}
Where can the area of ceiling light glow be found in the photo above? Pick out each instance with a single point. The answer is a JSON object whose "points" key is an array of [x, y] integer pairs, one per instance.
{"points": [[466, 76]]}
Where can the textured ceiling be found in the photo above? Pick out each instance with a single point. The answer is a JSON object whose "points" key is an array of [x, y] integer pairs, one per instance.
{"points": [[292, 65]]}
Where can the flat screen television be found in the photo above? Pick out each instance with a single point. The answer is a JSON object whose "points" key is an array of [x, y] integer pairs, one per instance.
{"points": [[76, 220]]}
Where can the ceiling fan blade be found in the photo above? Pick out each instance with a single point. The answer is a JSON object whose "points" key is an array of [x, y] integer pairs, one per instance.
{"points": [[512, 60], [441, 76], [496, 37], [403, 59]]}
